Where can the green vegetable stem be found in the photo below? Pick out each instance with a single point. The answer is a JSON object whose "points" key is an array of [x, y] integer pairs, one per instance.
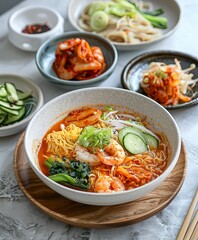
{"points": [[100, 11], [73, 173]]}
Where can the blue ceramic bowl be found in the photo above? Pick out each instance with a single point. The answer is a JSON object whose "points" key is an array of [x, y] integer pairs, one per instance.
{"points": [[45, 57]]}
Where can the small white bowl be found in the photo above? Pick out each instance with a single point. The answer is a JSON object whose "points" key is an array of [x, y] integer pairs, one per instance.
{"points": [[33, 15], [24, 84], [59, 107]]}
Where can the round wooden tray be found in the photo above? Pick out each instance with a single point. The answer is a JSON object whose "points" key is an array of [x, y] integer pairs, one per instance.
{"points": [[82, 215]]}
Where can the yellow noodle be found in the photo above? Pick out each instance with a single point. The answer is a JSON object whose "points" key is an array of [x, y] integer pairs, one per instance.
{"points": [[62, 143]]}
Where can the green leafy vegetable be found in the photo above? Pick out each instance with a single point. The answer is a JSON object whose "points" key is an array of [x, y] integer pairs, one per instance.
{"points": [[152, 17], [94, 137], [158, 22], [155, 12], [73, 172]]}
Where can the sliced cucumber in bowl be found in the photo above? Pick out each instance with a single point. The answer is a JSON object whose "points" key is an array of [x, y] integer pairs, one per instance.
{"points": [[12, 95], [134, 144], [126, 130], [136, 141], [23, 95], [3, 91], [3, 115], [10, 105], [15, 105], [151, 141], [14, 118]]}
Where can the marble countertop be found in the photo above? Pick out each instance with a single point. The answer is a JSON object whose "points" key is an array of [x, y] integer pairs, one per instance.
{"points": [[19, 219]]}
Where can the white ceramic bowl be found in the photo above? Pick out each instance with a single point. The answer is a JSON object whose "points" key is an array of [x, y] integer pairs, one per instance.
{"points": [[172, 12], [25, 84], [57, 108], [33, 15]]}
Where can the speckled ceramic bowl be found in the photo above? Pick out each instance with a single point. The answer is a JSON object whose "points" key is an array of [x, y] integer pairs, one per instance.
{"points": [[46, 56], [24, 84], [132, 73], [59, 107]]}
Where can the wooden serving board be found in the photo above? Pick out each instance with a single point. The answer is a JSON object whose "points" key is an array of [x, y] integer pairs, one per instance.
{"points": [[82, 215]]}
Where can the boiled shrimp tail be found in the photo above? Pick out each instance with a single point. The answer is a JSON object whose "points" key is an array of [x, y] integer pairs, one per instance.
{"points": [[65, 178]]}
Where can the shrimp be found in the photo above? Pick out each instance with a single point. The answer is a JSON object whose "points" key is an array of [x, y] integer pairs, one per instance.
{"points": [[83, 117], [83, 155], [107, 184], [113, 154]]}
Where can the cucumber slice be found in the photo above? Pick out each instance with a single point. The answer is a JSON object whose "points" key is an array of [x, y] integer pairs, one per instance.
{"points": [[14, 104], [23, 95], [134, 144], [99, 21], [3, 116], [12, 118], [3, 92], [10, 105], [8, 110], [20, 103], [12, 92], [133, 130], [4, 99], [151, 141]]}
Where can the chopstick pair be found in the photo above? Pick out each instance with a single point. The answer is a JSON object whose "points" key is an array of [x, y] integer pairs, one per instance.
{"points": [[189, 229]]}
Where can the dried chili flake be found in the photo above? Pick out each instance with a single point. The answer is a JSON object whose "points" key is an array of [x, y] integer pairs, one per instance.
{"points": [[36, 28]]}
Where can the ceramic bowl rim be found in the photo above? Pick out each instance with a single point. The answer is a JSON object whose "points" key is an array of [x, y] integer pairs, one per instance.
{"points": [[39, 103], [57, 80], [91, 194]]}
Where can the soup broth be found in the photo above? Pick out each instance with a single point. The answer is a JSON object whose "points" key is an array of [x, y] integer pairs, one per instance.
{"points": [[103, 150]]}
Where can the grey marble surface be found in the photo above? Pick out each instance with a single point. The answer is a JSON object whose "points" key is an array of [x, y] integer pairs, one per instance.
{"points": [[19, 219]]}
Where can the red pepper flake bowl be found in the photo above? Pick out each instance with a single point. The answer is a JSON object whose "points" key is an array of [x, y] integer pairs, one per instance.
{"points": [[29, 27]]}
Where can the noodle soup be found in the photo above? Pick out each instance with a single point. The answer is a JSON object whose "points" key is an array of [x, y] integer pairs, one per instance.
{"points": [[103, 150]]}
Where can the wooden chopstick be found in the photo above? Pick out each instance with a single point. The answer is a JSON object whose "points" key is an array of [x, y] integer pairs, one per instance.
{"points": [[187, 220], [191, 227], [195, 233]]}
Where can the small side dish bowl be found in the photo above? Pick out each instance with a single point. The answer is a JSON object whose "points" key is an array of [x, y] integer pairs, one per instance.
{"points": [[46, 55], [58, 108], [26, 85], [33, 15], [133, 72], [172, 12]]}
